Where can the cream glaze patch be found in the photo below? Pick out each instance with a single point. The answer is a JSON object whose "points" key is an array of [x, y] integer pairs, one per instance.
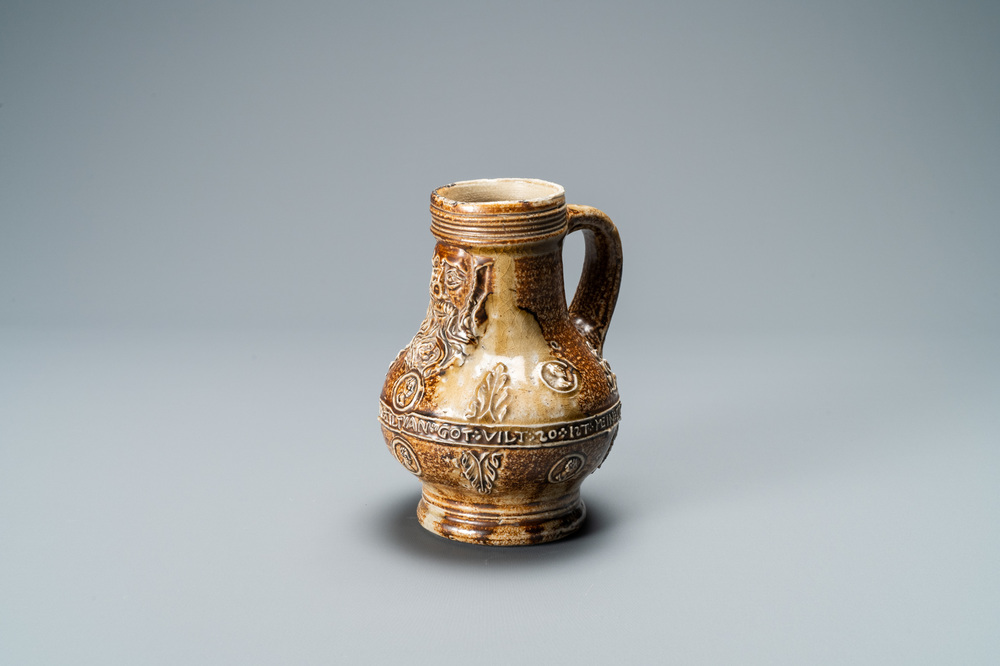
{"points": [[513, 338]]}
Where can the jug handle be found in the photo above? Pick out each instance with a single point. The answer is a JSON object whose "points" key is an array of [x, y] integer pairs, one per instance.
{"points": [[596, 295]]}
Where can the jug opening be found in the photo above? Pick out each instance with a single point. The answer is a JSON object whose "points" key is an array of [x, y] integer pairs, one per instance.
{"points": [[498, 211], [500, 190]]}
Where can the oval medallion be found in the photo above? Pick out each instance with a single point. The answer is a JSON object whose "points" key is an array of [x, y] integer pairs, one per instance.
{"points": [[559, 376], [567, 468], [407, 391], [404, 452]]}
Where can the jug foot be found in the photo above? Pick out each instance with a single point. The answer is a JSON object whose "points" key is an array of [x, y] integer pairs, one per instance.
{"points": [[502, 525]]}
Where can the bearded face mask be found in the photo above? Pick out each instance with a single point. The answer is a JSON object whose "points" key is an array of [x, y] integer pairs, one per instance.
{"points": [[458, 290]]}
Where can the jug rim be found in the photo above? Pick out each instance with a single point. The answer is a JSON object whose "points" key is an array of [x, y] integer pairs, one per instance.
{"points": [[482, 193], [490, 211]]}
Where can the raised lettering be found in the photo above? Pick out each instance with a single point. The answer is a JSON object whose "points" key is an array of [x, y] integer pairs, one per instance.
{"points": [[496, 435]]}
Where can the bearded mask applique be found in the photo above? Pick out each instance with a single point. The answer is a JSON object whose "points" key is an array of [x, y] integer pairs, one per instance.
{"points": [[458, 290]]}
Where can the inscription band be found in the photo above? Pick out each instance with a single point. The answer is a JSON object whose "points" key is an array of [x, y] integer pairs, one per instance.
{"points": [[527, 436]]}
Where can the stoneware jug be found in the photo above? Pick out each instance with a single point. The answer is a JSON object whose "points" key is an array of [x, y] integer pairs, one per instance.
{"points": [[503, 403]]}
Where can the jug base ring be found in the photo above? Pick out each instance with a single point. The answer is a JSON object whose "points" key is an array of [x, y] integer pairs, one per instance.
{"points": [[502, 525]]}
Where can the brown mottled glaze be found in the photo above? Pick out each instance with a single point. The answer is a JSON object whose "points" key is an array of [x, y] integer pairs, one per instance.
{"points": [[503, 403]]}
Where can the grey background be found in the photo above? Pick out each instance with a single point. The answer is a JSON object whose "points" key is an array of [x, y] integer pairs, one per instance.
{"points": [[214, 238]]}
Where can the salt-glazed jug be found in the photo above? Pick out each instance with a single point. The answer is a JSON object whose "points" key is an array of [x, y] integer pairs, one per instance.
{"points": [[502, 404]]}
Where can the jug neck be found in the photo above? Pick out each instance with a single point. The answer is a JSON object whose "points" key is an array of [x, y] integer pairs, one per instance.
{"points": [[526, 275]]}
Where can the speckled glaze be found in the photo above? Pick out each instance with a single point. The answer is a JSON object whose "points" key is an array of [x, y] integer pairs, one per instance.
{"points": [[502, 404]]}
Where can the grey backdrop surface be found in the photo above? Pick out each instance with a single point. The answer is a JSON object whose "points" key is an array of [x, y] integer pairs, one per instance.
{"points": [[214, 238]]}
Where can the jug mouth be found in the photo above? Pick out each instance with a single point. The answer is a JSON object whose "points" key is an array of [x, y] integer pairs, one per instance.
{"points": [[474, 194], [498, 211]]}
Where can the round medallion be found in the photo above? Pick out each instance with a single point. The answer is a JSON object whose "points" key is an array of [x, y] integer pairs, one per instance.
{"points": [[404, 452], [567, 468], [559, 376], [407, 391]]}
